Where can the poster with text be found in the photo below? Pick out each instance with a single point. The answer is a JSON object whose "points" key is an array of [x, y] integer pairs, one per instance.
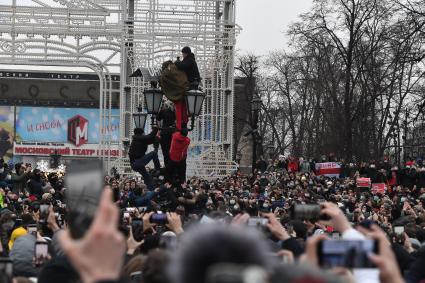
{"points": [[7, 119], [77, 126]]}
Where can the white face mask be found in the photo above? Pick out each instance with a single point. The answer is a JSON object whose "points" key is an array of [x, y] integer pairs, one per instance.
{"points": [[2, 170], [232, 201], [8, 177]]}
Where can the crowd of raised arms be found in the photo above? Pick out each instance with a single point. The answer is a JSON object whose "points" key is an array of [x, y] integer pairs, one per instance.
{"points": [[281, 224]]}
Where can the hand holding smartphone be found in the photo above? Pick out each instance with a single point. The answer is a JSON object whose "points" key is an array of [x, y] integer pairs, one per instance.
{"points": [[346, 253], [32, 229], [41, 253], [84, 183]]}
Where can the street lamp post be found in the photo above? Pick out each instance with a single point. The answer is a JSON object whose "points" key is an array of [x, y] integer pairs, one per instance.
{"points": [[194, 100], [255, 107], [153, 100], [140, 119]]}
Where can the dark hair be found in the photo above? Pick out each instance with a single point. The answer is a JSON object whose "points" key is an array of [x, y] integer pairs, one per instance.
{"points": [[133, 265], [27, 219], [17, 167], [138, 131], [187, 50], [184, 132], [155, 265], [219, 245]]}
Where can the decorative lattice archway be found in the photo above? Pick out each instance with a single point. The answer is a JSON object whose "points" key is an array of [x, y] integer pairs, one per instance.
{"points": [[118, 36]]}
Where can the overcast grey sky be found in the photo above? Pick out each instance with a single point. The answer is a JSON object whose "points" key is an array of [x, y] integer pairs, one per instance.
{"points": [[265, 22]]}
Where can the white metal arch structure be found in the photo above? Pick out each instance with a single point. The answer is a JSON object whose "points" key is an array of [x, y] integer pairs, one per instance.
{"points": [[72, 33], [118, 36], [158, 30]]}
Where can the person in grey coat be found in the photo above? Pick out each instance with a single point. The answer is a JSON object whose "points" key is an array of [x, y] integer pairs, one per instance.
{"points": [[22, 255]]}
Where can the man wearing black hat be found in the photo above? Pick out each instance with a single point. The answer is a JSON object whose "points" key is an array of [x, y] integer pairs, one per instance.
{"points": [[189, 66]]}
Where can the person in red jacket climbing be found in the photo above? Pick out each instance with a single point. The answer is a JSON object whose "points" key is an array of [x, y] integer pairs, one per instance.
{"points": [[178, 153]]}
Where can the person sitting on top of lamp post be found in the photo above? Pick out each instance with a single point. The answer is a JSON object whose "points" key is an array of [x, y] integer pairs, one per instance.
{"points": [[190, 67], [138, 156]]}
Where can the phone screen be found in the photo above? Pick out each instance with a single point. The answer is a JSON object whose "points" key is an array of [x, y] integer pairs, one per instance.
{"points": [[346, 253], [335, 236], [6, 270], [44, 212], [41, 253], [399, 229], [32, 229], [41, 249], [84, 183]]}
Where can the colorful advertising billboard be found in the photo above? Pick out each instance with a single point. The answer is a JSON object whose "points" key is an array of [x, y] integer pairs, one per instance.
{"points": [[76, 126], [7, 120]]}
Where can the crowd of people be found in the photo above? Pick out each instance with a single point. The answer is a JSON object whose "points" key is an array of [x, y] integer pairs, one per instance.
{"points": [[243, 228], [286, 222]]}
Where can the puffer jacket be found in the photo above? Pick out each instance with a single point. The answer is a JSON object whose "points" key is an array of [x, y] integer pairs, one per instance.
{"points": [[179, 146], [22, 254]]}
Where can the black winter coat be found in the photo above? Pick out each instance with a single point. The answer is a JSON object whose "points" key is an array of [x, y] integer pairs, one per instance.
{"points": [[189, 66], [168, 118], [139, 145], [35, 187]]}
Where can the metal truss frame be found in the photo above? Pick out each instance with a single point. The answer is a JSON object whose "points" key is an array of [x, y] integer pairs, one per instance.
{"points": [[110, 36]]}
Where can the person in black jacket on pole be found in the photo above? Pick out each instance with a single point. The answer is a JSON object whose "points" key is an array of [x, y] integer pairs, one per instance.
{"points": [[168, 118], [190, 67], [139, 158]]}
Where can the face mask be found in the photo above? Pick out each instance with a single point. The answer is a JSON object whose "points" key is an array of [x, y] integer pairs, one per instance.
{"points": [[232, 202], [273, 199], [403, 199], [265, 205], [8, 177], [1, 170]]}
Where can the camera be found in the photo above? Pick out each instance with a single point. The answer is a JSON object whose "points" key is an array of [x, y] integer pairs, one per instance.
{"points": [[346, 253], [310, 212]]}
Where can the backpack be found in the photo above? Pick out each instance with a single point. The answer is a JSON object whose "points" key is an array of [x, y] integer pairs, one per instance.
{"points": [[173, 82]]}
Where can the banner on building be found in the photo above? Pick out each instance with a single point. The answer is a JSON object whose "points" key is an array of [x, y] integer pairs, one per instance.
{"points": [[7, 133], [68, 150], [328, 169], [77, 126]]}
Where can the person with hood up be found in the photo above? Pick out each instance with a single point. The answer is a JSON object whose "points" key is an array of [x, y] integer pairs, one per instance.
{"points": [[190, 67], [138, 157], [35, 187], [178, 154]]}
